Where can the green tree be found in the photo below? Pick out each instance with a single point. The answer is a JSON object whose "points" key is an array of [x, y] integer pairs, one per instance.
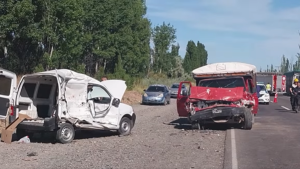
{"points": [[163, 37]]}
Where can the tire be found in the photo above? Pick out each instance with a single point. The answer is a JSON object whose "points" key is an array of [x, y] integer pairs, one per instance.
{"points": [[20, 133], [248, 121], [125, 127], [66, 133], [165, 102], [267, 103]]}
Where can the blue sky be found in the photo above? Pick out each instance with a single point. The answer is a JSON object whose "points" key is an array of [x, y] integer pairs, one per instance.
{"points": [[258, 32]]}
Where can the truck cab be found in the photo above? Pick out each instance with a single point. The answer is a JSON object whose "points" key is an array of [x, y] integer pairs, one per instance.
{"points": [[224, 93]]}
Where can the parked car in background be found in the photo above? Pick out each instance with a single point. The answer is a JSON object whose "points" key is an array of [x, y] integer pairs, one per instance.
{"points": [[264, 96], [174, 89], [156, 94]]}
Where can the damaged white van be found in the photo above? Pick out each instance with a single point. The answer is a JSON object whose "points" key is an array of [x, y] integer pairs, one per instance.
{"points": [[63, 101]]}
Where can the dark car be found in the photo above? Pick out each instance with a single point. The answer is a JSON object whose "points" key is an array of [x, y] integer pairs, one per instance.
{"points": [[174, 89], [156, 94]]}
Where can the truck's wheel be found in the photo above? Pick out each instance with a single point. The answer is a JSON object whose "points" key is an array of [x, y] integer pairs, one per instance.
{"points": [[66, 133], [247, 124], [125, 126]]}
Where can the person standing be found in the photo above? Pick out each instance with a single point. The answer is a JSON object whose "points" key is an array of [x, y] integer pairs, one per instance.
{"points": [[293, 92], [268, 87], [103, 78]]}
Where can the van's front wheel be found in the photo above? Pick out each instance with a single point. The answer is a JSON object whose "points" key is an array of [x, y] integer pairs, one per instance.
{"points": [[66, 133], [125, 126]]}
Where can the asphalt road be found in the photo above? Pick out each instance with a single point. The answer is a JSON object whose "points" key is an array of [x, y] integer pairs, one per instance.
{"points": [[273, 142]]}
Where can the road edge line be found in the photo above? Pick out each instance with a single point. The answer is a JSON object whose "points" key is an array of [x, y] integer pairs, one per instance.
{"points": [[233, 150]]}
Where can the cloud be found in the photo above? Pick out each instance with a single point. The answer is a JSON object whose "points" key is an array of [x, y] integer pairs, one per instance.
{"points": [[274, 28]]}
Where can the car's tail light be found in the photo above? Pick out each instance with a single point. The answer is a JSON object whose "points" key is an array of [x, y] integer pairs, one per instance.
{"points": [[12, 110]]}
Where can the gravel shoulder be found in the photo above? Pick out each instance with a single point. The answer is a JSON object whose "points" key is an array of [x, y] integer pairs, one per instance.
{"points": [[154, 144]]}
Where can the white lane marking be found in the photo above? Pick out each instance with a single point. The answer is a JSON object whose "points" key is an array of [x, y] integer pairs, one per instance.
{"points": [[285, 108], [233, 151]]}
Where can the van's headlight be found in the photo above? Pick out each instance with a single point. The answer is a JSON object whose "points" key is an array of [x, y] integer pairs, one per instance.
{"points": [[161, 95], [145, 95]]}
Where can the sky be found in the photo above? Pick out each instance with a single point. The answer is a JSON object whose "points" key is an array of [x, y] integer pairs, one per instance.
{"points": [[257, 32]]}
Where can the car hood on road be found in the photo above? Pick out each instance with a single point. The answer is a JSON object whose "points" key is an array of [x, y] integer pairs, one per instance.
{"points": [[226, 94], [153, 94]]}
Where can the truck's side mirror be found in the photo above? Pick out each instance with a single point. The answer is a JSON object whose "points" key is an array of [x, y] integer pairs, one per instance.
{"points": [[184, 93]]}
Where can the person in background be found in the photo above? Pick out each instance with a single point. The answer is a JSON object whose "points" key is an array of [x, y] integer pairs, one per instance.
{"points": [[103, 78], [293, 94], [268, 87]]}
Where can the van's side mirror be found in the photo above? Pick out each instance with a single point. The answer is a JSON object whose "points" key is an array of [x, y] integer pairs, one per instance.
{"points": [[144, 90], [116, 102]]}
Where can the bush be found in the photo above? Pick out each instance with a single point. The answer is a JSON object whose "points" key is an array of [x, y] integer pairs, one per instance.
{"points": [[141, 84]]}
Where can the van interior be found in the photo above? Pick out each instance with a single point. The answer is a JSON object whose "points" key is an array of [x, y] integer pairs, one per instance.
{"points": [[39, 94], [5, 88]]}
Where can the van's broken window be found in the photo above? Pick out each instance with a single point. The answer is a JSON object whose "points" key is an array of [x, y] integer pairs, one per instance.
{"points": [[5, 85], [28, 90], [223, 83]]}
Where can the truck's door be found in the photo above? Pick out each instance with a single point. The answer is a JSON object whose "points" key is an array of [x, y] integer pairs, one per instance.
{"points": [[182, 99], [7, 86], [252, 89]]}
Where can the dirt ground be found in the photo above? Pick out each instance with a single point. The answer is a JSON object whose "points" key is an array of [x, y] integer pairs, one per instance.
{"points": [[159, 140], [132, 97]]}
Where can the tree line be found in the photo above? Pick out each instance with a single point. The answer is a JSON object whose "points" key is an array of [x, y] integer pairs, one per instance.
{"points": [[95, 37]]}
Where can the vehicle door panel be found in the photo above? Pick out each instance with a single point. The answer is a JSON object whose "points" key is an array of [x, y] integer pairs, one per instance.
{"points": [[181, 100], [7, 92], [103, 109], [253, 92]]}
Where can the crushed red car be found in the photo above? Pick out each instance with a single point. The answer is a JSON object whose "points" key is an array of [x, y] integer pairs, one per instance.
{"points": [[224, 93]]}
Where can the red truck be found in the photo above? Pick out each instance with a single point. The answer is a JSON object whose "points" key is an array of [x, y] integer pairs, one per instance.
{"points": [[224, 93]]}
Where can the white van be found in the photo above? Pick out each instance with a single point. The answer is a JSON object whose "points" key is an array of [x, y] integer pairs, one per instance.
{"points": [[63, 101]]}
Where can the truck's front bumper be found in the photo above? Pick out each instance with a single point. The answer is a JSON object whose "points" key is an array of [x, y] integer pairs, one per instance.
{"points": [[225, 113]]}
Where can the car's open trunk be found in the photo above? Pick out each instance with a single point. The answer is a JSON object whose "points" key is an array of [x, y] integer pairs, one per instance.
{"points": [[38, 94]]}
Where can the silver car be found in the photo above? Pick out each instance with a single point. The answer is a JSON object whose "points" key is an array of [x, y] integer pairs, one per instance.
{"points": [[156, 94], [174, 89]]}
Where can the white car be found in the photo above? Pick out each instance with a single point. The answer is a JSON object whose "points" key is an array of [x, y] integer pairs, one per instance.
{"points": [[264, 96], [63, 101]]}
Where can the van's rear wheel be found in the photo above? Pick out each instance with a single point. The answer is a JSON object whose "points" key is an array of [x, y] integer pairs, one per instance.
{"points": [[66, 133]]}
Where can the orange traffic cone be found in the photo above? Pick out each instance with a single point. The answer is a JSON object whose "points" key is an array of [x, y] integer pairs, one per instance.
{"points": [[275, 98]]}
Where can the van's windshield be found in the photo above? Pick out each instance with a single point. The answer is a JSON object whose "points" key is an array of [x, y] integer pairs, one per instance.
{"points": [[222, 83]]}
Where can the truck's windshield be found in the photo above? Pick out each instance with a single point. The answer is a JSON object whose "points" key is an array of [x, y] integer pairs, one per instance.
{"points": [[222, 83]]}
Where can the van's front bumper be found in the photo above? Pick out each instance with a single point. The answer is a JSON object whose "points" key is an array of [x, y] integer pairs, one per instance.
{"points": [[49, 124]]}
